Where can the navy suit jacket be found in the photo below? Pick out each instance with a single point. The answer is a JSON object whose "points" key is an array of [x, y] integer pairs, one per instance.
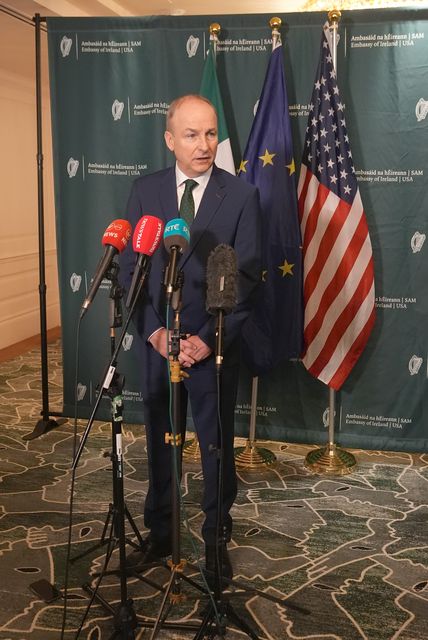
{"points": [[229, 213]]}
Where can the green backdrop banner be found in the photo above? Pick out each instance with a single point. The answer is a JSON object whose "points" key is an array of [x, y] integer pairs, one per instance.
{"points": [[111, 83]]}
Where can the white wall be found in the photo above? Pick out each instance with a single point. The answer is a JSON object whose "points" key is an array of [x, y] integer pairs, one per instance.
{"points": [[19, 253]]}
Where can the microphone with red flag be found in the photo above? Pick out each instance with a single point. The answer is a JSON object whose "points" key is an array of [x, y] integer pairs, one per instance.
{"points": [[115, 239], [145, 241]]}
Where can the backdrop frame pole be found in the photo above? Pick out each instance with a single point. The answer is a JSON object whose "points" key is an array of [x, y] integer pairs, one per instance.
{"points": [[45, 423]]}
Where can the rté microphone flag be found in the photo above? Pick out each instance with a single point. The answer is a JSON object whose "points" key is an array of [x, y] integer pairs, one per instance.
{"points": [[274, 329], [338, 280]]}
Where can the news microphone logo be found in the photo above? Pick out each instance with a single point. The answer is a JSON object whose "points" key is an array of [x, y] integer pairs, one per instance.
{"points": [[114, 240], [117, 109], [117, 234], [65, 46], [176, 240], [176, 230], [147, 235], [145, 241]]}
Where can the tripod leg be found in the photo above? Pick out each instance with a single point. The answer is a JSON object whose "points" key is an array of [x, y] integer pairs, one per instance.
{"points": [[206, 625], [161, 615], [135, 529], [239, 622]]}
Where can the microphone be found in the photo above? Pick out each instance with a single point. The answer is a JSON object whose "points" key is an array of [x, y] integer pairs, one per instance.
{"points": [[145, 241], [115, 239], [222, 271], [176, 239]]}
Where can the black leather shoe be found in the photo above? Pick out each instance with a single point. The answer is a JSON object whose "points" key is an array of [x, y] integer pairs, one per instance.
{"points": [[153, 550], [211, 561]]}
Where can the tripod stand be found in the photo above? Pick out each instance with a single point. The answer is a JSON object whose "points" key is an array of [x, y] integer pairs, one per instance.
{"points": [[115, 394], [221, 299], [125, 618]]}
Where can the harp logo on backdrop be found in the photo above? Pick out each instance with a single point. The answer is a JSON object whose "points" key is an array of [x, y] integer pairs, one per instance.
{"points": [[127, 341], [65, 46], [417, 241], [81, 391], [415, 364], [192, 46], [75, 282], [72, 167], [117, 109], [421, 109], [326, 417]]}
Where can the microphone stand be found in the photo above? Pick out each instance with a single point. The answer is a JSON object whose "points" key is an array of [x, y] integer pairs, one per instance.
{"points": [[125, 619], [115, 393], [175, 439], [219, 609]]}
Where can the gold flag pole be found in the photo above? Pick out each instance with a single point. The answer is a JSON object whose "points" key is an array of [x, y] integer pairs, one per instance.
{"points": [[191, 449], [331, 459], [251, 456]]}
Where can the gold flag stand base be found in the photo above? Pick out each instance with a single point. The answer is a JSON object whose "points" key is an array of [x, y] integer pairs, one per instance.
{"points": [[330, 460], [252, 457], [191, 450]]}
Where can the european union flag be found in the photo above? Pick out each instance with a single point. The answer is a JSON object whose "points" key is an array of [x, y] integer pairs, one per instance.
{"points": [[274, 330]]}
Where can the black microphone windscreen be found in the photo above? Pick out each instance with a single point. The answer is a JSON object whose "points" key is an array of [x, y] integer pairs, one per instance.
{"points": [[222, 271]]}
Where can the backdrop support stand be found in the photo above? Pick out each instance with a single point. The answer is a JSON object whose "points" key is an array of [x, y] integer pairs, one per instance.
{"points": [[45, 423]]}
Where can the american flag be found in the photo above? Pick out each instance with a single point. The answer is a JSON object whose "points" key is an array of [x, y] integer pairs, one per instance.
{"points": [[338, 277]]}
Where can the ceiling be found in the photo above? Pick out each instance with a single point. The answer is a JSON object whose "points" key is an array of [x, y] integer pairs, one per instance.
{"points": [[17, 32]]}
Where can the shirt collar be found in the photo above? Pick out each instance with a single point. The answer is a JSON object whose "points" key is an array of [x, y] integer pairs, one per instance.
{"points": [[201, 180]]}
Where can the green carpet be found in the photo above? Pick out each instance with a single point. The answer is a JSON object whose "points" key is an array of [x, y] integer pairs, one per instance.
{"points": [[351, 550]]}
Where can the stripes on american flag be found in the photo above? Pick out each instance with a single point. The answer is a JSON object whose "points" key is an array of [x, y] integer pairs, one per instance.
{"points": [[338, 281]]}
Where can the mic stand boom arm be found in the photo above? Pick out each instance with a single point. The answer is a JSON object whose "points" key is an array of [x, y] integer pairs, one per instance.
{"points": [[110, 372]]}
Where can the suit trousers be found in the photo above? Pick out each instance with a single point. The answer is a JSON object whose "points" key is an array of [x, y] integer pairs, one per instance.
{"points": [[200, 389]]}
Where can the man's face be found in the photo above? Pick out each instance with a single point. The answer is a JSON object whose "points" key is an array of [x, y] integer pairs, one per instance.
{"points": [[192, 136]]}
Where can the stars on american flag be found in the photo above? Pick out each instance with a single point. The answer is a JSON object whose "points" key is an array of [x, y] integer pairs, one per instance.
{"points": [[327, 153]]}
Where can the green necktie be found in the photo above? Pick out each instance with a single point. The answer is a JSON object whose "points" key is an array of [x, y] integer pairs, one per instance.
{"points": [[187, 204]]}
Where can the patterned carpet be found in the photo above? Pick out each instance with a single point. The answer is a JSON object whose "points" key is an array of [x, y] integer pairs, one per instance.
{"points": [[351, 550]]}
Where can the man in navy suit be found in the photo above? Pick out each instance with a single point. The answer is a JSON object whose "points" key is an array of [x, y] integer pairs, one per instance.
{"points": [[227, 211]]}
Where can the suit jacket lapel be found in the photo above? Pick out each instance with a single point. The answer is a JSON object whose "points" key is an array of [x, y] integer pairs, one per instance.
{"points": [[168, 196]]}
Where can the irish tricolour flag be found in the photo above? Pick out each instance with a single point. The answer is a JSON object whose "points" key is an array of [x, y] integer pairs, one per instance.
{"points": [[210, 89]]}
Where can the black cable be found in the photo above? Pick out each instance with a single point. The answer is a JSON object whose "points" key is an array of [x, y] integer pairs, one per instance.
{"points": [[73, 477]]}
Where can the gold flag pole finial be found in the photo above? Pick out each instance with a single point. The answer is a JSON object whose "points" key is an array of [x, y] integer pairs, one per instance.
{"points": [[215, 29], [334, 16], [275, 24]]}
